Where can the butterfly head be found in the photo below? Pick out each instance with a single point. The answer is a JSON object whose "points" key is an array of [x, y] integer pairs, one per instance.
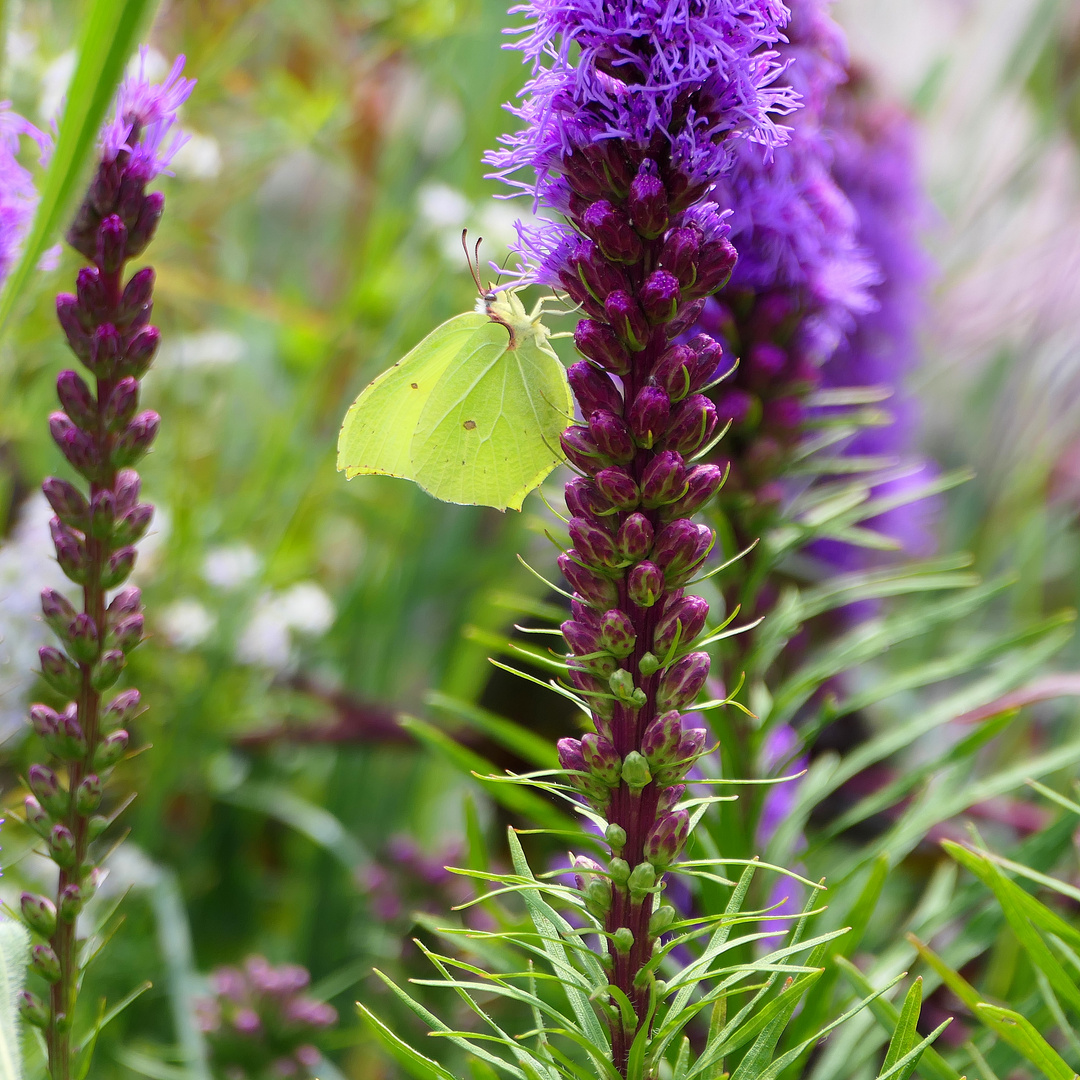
{"points": [[507, 309]]}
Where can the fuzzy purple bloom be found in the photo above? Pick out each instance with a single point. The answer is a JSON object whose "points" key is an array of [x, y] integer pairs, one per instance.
{"points": [[18, 196]]}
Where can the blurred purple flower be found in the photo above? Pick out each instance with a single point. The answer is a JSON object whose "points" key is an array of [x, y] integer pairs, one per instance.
{"points": [[18, 196]]}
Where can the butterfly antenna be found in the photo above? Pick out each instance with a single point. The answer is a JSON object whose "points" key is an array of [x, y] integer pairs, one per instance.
{"points": [[474, 270]]}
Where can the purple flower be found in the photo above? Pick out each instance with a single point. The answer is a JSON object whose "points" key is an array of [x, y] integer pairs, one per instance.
{"points": [[145, 118], [18, 196]]}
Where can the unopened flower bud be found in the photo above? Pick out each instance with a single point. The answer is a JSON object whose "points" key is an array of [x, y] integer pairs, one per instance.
{"points": [[584, 499], [649, 415], [110, 750], [70, 739], [661, 919], [133, 525], [59, 672], [111, 244], [669, 797], [596, 273], [582, 639], [136, 438], [121, 404], [679, 254], [37, 817], [75, 445], [660, 743], [88, 795], [689, 313], [68, 503], [597, 341], [715, 262], [57, 610], [121, 710], [635, 538], [623, 940], [674, 371], [645, 584], [96, 826], [580, 448], [118, 567], [81, 638], [72, 900], [680, 548], [77, 399], [615, 835], [45, 962], [62, 846], [598, 896], [128, 601], [692, 425], [617, 633], [702, 483], [664, 479], [681, 622], [33, 1010], [619, 870], [647, 202], [627, 319], [593, 389], [612, 437], [138, 296], [39, 913], [146, 224], [618, 487], [90, 289], [601, 759], [105, 348], [648, 664], [102, 514], [140, 351], [594, 545], [570, 755], [71, 319], [635, 771], [611, 230], [659, 296], [71, 552], [667, 838], [127, 633], [642, 880], [107, 670], [621, 684], [682, 682]]}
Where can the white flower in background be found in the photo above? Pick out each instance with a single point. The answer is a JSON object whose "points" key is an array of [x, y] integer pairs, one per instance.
{"points": [[187, 623], [278, 618], [231, 566], [199, 158], [54, 83], [206, 349]]}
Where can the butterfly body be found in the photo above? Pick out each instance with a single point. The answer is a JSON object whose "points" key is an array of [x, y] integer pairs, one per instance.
{"points": [[472, 414]]}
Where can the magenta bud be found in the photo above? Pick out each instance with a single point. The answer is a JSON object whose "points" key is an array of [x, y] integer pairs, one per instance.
{"points": [[140, 352], [74, 444], [70, 739], [660, 743], [735, 406], [81, 638], [667, 838], [611, 230], [692, 425], [635, 538], [680, 548], [601, 759], [111, 244], [681, 683], [146, 224], [136, 438], [133, 525], [593, 544], [137, 300], [59, 672], [617, 633], [691, 745], [45, 962], [599, 343], [580, 448], [57, 609], [102, 514], [111, 749], [88, 795], [674, 369], [612, 437], [77, 400], [107, 670], [122, 403], [46, 788], [682, 622], [592, 587], [645, 584], [593, 389], [664, 480], [36, 816], [647, 202], [118, 567], [585, 614], [679, 254], [648, 417], [39, 913], [583, 499], [68, 503], [126, 489], [659, 296], [595, 273], [62, 846], [715, 262], [121, 710], [689, 314], [45, 721], [70, 551], [104, 350], [127, 601], [71, 902], [71, 318], [570, 756], [127, 633], [581, 639], [33, 1010], [669, 797], [618, 487], [90, 289], [702, 483], [627, 319]]}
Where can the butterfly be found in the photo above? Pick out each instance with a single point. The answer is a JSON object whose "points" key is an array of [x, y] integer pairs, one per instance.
{"points": [[472, 414]]}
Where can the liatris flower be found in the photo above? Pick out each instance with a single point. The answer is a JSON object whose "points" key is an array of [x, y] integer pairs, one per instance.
{"points": [[627, 142], [259, 1023], [102, 434], [18, 196]]}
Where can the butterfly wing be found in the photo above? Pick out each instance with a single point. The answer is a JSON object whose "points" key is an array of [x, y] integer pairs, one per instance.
{"points": [[379, 427], [489, 432]]}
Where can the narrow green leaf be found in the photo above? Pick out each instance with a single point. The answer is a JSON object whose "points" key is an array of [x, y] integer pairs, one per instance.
{"points": [[904, 1036], [418, 1066], [1021, 1036]]}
